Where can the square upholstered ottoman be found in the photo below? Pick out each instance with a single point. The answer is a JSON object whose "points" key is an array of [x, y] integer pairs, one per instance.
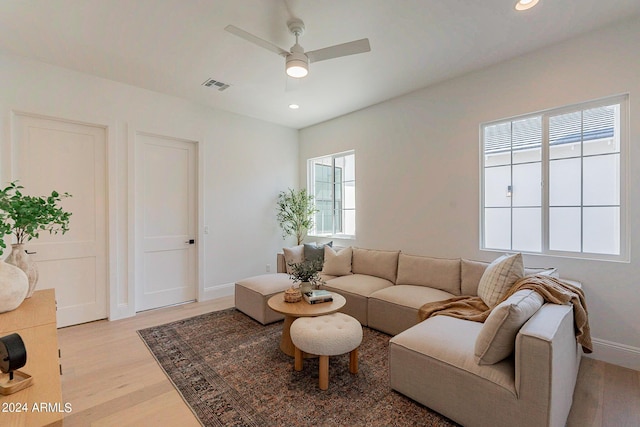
{"points": [[252, 294]]}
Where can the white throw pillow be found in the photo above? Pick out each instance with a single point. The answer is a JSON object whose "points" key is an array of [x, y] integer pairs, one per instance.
{"points": [[496, 340], [293, 255], [337, 263], [499, 277]]}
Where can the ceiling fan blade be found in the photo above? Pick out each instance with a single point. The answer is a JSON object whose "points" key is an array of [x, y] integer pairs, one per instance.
{"points": [[344, 49], [255, 40]]}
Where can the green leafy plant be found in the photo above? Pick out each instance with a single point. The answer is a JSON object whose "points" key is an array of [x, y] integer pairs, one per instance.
{"points": [[306, 271], [25, 216], [295, 213]]}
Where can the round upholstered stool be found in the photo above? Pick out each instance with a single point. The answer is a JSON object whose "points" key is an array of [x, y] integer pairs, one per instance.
{"points": [[326, 336]]}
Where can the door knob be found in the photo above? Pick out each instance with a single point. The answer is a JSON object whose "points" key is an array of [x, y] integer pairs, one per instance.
{"points": [[191, 241]]}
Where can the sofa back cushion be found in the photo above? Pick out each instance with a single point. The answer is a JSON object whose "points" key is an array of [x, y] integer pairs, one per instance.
{"points": [[497, 337], [443, 274], [383, 264], [472, 271], [470, 274]]}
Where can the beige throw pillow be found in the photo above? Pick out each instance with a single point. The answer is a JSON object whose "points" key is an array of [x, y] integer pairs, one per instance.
{"points": [[337, 263], [499, 277], [293, 255], [497, 337]]}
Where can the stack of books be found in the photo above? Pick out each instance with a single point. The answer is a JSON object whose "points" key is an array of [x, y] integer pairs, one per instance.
{"points": [[317, 296]]}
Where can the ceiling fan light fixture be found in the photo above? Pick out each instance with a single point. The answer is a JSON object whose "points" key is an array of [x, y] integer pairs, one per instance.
{"points": [[297, 65], [525, 4], [296, 60]]}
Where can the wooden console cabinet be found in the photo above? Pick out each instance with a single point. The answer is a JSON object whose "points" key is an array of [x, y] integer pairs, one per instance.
{"points": [[40, 404]]}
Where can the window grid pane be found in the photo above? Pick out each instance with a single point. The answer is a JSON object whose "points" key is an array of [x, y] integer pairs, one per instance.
{"points": [[578, 206], [333, 195]]}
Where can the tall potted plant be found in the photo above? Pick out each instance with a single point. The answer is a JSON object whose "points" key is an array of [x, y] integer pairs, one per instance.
{"points": [[295, 213], [25, 217]]}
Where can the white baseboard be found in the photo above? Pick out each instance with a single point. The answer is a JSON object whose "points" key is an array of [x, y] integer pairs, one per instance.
{"points": [[615, 353], [122, 311], [218, 291]]}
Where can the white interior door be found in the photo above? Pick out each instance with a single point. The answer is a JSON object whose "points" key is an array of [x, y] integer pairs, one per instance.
{"points": [[166, 221], [68, 157]]}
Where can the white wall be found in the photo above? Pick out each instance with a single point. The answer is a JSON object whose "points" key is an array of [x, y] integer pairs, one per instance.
{"points": [[244, 164], [417, 165]]}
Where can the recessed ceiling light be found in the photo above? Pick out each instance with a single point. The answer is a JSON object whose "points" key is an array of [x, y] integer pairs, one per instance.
{"points": [[294, 106], [526, 4]]}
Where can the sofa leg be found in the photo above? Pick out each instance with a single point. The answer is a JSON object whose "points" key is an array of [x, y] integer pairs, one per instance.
{"points": [[324, 372], [299, 358], [353, 361]]}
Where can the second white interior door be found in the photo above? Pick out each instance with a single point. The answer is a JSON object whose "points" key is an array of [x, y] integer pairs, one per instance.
{"points": [[166, 221]]}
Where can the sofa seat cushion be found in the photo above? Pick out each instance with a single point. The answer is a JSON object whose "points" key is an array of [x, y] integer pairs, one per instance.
{"points": [[359, 284], [356, 289], [267, 284], [326, 277], [451, 341], [395, 309], [410, 296], [436, 273]]}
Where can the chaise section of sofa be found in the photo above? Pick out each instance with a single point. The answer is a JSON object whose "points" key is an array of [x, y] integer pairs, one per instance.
{"points": [[433, 363]]}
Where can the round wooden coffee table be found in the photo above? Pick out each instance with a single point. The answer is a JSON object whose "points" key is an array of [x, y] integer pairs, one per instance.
{"points": [[293, 310]]}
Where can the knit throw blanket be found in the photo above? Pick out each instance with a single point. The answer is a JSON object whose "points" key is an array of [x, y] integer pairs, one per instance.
{"points": [[552, 290]]}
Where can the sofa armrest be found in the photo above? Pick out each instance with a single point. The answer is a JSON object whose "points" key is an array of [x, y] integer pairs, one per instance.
{"points": [[281, 265], [547, 359]]}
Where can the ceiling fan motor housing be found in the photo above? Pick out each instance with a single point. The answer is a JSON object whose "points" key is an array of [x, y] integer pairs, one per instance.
{"points": [[297, 63]]}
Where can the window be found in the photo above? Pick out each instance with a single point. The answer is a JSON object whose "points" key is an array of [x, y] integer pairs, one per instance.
{"points": [[332, 182], [553, 182]]}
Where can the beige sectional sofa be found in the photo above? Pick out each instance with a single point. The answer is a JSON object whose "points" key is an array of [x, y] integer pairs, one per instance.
{"points": [[435, 361]]}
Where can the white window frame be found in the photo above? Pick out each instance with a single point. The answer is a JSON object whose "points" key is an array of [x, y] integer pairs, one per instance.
{"points": [[623, 101], [311, 191]]}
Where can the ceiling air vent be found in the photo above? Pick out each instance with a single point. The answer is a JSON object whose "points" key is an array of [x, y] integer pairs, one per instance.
{"points": [[215, 84]]}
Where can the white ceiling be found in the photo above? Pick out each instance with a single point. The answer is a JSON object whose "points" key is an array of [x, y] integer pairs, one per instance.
{"points": [[173, 46]]}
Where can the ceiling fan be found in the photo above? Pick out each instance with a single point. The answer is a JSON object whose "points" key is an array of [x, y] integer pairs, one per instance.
{"points": [[297, 60]]}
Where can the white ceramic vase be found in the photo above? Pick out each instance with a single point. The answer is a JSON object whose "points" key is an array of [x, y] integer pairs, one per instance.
{"points": [[305, 287], [14, 286], [21, 259]]}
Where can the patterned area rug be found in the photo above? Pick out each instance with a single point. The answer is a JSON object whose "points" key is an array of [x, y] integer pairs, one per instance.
{"points": [[231, 372]]}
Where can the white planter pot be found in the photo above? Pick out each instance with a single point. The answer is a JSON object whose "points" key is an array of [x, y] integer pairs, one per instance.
{"points": [[14, 286], [305, 287], [21, 259]]}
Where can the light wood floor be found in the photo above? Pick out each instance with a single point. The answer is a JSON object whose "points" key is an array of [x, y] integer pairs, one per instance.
{"points": [[111, 379]]}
